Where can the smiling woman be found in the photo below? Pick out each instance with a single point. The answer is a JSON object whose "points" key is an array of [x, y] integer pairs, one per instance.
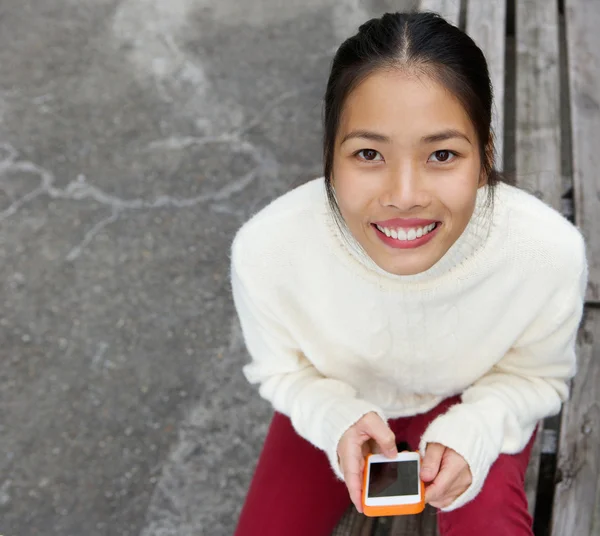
{"points": [[407, 295], [420, 169]]}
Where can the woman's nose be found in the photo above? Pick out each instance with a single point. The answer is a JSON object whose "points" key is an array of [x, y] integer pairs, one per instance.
{"points": [[404, 190]]}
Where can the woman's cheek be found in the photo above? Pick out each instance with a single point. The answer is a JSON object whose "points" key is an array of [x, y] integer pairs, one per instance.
{"points": [[360, 200], [458, 193]]}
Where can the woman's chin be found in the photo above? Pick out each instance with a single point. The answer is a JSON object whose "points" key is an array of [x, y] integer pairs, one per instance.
{"points": [[405, 268]]}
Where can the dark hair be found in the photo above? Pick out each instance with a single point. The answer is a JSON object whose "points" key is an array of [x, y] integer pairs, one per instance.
{"points": [[423, 42]]}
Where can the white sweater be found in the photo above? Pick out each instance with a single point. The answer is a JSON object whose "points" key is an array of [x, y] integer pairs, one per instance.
{"points": [[332, 336]]}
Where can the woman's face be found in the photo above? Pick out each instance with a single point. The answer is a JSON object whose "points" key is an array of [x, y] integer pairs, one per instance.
{"points": [[406, 170]]}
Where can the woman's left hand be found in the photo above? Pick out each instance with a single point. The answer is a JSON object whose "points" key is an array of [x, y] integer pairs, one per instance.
{"points": [[445, 473]]}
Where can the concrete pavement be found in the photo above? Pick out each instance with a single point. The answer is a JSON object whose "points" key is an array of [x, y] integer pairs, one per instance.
{"points": [[136, 136]]}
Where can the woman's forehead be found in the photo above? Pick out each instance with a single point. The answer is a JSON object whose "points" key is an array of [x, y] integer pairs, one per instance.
{"points": [[403, 104]]}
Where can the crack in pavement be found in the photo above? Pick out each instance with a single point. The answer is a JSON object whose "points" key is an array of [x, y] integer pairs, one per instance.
{"points": [[81, 189], [171, 510], [183, 142]]}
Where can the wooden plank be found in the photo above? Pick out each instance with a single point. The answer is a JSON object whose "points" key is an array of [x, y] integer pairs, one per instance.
{"points": [[424, 524], [538, 164], [486, 24], [354, 524], [577, 494], [538, 154], [583, 44], [449, 9]]}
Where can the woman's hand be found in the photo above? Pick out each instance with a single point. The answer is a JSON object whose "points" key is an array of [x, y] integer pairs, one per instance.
{"points": [[369, 434], [446, 474]]}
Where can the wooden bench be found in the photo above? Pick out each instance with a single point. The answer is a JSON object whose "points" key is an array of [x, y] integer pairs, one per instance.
{"points": [[544, 61]]}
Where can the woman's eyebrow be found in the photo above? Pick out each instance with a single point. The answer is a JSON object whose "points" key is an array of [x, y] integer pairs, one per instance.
{"points": [[445, 135], [367, 135], [382, 138]]}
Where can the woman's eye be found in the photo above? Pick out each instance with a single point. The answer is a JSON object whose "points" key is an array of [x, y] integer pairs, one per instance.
{"points": [[369, 155], [442, 156]]}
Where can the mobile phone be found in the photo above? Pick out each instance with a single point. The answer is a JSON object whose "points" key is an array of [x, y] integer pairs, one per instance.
{"points": [[392, 486]]}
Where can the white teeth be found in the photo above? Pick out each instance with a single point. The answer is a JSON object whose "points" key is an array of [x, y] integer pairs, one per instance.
{"points": [[404, 234]]}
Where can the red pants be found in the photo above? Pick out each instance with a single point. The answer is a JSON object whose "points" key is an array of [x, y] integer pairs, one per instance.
{"points": [[295, 492]]}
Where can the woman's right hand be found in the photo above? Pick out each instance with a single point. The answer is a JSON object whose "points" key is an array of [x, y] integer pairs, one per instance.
{"points": [[368, 435]]}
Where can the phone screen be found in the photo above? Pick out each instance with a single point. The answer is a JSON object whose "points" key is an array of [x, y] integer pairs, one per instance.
{"points": [[389, 479]]}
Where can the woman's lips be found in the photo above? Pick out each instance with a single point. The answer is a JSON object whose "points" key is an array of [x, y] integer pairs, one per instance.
{"points": [[408, 244], [396, 223]]}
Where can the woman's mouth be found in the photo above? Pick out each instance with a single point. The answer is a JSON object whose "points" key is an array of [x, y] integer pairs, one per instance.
{"points": [[406, 237]]}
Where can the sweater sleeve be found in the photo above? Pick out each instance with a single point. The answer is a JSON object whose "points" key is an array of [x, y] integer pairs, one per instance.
{"points": [[500, 411], [321, 409]]}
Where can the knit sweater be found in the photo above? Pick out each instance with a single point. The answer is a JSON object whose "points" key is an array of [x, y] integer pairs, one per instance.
{"points": [[332, 336]]}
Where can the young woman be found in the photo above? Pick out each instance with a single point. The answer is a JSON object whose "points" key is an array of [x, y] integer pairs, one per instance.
{"points": [[409, 295]]}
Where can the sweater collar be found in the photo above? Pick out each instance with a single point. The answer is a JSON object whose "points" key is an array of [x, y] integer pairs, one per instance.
{"points": [[466, 246]]}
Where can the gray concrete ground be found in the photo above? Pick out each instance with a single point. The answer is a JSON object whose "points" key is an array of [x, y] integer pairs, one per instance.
{"points": [[136, 136]]}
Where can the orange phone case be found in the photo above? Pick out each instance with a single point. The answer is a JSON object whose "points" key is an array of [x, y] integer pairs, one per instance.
{"points": [[393, 510]]}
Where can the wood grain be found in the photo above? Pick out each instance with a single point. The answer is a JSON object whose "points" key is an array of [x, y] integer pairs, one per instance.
{"points": [[538, 129], [354, 524], [449, 9], [538, 162], [577, 494], [486, 24], [424, 524], [583, 46]]}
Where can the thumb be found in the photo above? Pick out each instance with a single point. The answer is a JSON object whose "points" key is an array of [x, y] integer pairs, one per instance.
{"points": [[383, 436], [430, 466]]}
